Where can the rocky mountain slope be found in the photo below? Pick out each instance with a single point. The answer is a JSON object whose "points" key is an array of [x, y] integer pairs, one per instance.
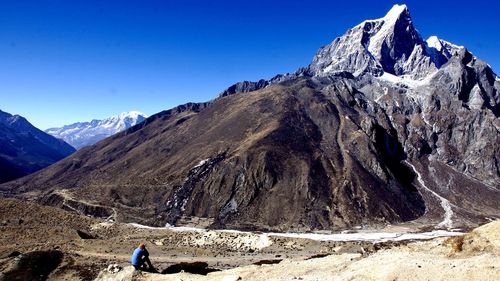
{"points": [[25, 149], [382, 127], [88, 133]]}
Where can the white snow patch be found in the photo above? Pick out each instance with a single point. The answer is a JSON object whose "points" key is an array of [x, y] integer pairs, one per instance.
{"points": [[476, 101], [201, 163], [434, 42], [136, 225], [451, 45], [372, 237], [131, 114], [168, 227], [404, 80], [393, 15], [445, 204], [328, 68], [185, 229], [395, 11], [260, 241]]}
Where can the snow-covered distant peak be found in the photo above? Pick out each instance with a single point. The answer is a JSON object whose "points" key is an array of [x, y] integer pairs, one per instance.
{"points": [[391, 16], [395, 12], [390, 44], [434, 42], [388, 33], [131, 114], [440, 45], [451, 46], [87, 133], [128, 114]]}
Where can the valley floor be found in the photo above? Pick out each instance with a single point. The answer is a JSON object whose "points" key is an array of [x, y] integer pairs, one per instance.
{"points": [[43, 241]]}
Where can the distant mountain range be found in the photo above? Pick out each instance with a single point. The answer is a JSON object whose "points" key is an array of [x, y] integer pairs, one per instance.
{"points": [[25, 149], [83, 134]]}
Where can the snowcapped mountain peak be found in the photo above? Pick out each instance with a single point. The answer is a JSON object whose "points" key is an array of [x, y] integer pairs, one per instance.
{"points": [[131, 114], [390, 44], [434, 42], [392, 16], [392, 37], [87, 133], [396, 11]]}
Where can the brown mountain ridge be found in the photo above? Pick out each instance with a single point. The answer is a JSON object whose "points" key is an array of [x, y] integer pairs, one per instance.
{"points": [[272, 154]]}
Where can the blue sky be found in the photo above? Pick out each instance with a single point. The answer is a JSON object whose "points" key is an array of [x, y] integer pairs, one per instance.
{"points": [[69, 61]]}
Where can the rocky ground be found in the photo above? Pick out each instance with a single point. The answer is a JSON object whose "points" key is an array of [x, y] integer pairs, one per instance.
{"points": [[39, 243], [473, 256]]}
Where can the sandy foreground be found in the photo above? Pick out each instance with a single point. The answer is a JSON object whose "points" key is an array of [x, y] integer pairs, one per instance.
{"points": [[473, 256]]}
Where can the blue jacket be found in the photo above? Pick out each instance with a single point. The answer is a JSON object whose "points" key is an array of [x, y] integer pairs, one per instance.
{"points": [[138, 255]]}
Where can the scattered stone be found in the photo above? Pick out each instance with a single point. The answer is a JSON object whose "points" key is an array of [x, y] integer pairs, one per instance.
{"points": [[85, 235], [200, 268], [35, 265], [231, 278], [261, 262], [158, 242], [14, 254], [126, 273], [317, 256], [114, 268]]}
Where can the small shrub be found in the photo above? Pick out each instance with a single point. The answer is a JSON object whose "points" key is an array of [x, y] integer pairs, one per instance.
{"points": [[456, 243]]}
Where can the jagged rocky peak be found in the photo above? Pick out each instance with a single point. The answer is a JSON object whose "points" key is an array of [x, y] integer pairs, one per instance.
{"points": [[391, 38], [390, 44]]}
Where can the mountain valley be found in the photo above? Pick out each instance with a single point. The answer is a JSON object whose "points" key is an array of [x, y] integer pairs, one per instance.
{"points": [[377, 161]]}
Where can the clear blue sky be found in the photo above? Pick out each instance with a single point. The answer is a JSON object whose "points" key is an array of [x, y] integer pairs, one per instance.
{"points": [[68, 61]]}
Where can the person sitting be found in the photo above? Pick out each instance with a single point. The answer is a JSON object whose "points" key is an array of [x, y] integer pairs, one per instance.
{"points": [[140, 259]]}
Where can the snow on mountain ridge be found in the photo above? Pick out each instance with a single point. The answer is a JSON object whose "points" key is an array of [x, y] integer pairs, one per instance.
{"points": [[82, 134], [434, 42], [392, 15], [388, 24], [390, 44]]}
